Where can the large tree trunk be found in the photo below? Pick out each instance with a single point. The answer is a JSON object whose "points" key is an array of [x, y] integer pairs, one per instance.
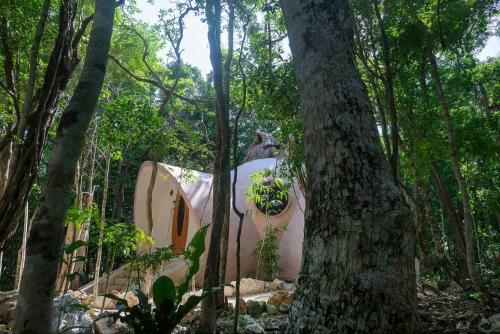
{"points": [[222, 176], [358, 273], [34, 306], [462, 186]]}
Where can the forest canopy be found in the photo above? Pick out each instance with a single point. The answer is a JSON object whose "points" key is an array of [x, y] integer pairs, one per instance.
{"points": [[386, 116]]}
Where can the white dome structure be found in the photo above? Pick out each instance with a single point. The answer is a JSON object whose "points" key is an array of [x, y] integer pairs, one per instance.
{"points": [[182, 203]]}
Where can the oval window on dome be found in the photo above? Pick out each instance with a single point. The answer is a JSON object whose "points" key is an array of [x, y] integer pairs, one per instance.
{"points": [[180, 225], [271, 196]]}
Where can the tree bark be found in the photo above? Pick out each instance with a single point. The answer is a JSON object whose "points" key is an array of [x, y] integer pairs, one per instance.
{"points": [[221, 175], [5, 157], [34, 306], [462, 186], [240, 214], [454, 217], [22, 251], [358, 272], [148, 279]]}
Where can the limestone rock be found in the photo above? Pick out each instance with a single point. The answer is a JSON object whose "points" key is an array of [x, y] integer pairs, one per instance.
{"points": [[9, 296], [69, 316], [229, 290], [7, 310], [280, 298], [250, 286], [108, 326], [130, 297], [81, 296], [191, 317], [188, 294], [277, 284], [253, 328], [271, 309], [99, 300], [246, 324], [254, 308], [490, 325], [8, 301], [263, 306], [242, 310], [284, 308]]}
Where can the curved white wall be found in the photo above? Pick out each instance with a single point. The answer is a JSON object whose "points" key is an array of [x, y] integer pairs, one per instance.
{"points": [[196, 189]]}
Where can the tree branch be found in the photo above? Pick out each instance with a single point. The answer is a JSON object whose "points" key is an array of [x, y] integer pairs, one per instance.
{"points": [[81, 31], [157, 84]]}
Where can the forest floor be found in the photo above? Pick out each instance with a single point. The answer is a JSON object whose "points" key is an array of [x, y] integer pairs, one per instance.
{"points": [[448, 311], [452, 311]]}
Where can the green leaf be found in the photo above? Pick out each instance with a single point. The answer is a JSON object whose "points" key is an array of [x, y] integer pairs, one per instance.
{"points": [[71, 276], [163, 290], [193, 253], [79, 258], [70, 248], [193, 301], [143, 300], [118, 299]]}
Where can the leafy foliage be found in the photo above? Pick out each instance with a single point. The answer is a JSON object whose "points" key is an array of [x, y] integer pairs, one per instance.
{"points": [[168, 309], [269, 193], [267, 251]]}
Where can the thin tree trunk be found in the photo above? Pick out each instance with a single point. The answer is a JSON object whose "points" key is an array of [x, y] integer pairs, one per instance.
{"points": [[419, 222], [65, 265], [70, 237], [240, 214], [462, 186], [452, 213], [105, 188], [224, 241], [34, 305], [148, 279], [33, 69], [389, 92], [5, 157], [106, 282], [222, 177], [22, 252], [87, 202], [358, 270], [442, 258]]}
